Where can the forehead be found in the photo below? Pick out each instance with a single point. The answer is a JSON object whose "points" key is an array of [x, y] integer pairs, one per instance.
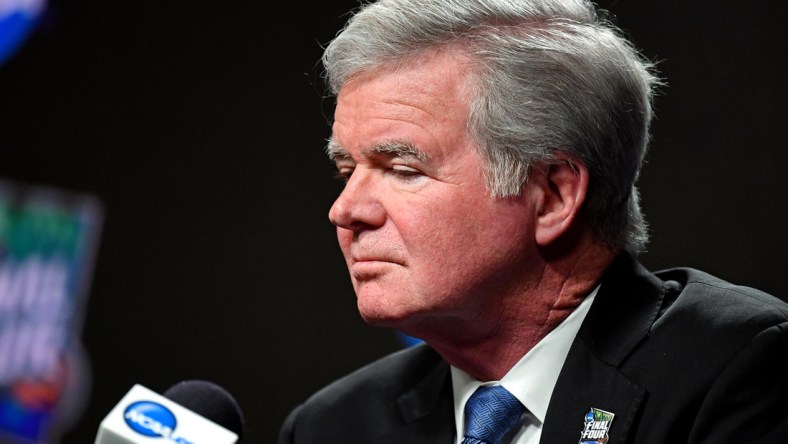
{"points": [[423, 101]]}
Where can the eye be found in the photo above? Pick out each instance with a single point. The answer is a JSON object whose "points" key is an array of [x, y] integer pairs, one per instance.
{"points": [[405, 172], [344, 173]]}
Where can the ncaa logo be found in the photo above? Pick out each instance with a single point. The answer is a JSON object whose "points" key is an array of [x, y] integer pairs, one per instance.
{"points": [[150, 419], [590, 416]]}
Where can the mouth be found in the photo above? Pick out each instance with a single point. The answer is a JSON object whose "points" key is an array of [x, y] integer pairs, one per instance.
{"points": [[367, 270], [372, 260]]}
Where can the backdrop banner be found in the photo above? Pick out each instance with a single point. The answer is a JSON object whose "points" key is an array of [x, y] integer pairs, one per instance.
{"points": [[17, 20], [48, 241]]}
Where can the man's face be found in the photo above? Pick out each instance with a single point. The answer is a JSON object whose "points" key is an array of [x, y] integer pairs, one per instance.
{"points": [[422, 237]]}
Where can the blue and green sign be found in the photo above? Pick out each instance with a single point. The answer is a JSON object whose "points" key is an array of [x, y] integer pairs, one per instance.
{"points": [[47, 245]]}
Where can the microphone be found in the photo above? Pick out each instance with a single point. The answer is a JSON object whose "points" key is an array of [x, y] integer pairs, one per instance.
{"points": [[209, 401], [190, 412]]}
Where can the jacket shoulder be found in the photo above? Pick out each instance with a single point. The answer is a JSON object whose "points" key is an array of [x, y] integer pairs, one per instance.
{"points": [[373, 400], [719, 302], [391, 375]]}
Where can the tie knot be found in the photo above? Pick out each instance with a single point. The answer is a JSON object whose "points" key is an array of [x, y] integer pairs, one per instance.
{"points": [[489, 414]]}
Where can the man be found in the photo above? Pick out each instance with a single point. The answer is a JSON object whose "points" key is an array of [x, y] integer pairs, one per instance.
{"points": [[490, 150]]}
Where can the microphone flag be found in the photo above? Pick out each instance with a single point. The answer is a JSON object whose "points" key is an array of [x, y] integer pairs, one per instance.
{"points": [[144, 416]]}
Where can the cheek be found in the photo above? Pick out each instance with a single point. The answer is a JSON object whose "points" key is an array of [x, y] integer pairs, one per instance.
{"points": [[462, 237], [436, 237]]}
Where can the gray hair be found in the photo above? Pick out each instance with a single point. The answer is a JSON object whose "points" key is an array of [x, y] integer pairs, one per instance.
{"points": [[550, 76]]}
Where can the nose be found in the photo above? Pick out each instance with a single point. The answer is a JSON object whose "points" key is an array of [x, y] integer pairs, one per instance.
{"points": [[358, 206]]}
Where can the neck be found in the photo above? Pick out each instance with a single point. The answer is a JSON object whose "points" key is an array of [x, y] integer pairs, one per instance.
{"points": [[489, 345]]}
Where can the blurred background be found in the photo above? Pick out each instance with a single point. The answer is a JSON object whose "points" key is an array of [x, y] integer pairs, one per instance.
{"points": [[199, 126]]}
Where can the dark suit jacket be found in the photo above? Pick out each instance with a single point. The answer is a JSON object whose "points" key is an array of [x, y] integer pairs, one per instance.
{"points": [[678, 357]]}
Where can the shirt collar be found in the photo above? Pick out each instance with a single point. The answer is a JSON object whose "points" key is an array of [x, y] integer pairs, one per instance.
{"points": [[532, 379]]}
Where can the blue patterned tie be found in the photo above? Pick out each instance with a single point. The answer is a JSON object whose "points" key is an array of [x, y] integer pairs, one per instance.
{"points": [[489, 413]]}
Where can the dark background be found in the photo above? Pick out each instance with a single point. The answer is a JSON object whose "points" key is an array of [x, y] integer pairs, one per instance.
{"points": [[200, 126]]}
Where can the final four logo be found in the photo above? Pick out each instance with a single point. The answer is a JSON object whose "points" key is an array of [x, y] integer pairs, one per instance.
{"points": [[596, 427]]}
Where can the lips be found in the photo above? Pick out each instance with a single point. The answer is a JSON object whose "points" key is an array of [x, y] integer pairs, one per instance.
{"points": [[371, 259], [370, 269], [365, 259]]}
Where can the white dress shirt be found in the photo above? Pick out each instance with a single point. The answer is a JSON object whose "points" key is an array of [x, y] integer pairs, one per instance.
{"points": [[531, 380]]}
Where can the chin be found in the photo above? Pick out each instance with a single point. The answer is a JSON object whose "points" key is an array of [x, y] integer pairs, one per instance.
{"points": [[382, 318], [381, 314]]}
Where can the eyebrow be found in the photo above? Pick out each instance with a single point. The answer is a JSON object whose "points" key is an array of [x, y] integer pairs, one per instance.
{"points": [[336, 151], [399, 148]]}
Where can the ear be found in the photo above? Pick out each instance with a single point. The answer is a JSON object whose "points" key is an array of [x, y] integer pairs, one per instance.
{"points": [[562, 190]]}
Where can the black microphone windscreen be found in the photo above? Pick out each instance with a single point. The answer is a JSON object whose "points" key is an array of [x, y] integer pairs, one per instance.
{"points": [[210, 401]]}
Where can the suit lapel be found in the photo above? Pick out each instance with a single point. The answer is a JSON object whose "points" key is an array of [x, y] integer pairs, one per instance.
{"points": [[427, 410], [626, 306], [587, 382]]}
